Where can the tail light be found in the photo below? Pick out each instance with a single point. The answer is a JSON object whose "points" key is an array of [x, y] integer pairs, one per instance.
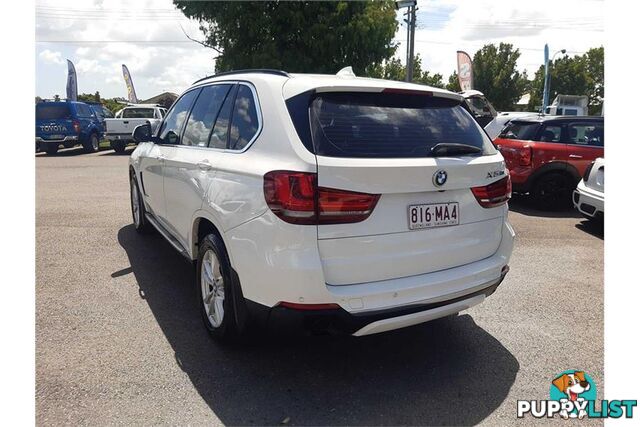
{"points": [[76, 126], [494, 194], [524, 156], [587, 172], [296, 198]]}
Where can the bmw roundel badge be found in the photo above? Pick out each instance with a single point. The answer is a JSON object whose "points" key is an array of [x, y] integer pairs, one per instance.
{"points": [[439, 178]]}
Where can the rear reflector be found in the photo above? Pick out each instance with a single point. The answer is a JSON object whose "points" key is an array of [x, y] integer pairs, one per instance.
{"points": [[494, 194], [524, 155], [295, 198], [296, 306]]}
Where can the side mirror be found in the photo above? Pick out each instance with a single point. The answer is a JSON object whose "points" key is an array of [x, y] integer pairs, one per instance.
{"points": [[142, 133]]}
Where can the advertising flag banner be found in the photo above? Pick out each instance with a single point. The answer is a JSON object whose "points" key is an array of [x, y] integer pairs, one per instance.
{"points": [[131, 92], [72, 82], [465, 71]]}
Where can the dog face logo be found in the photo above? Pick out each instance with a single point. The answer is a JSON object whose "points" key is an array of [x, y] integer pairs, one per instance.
{"points": [[573, 385], [439, 178]]}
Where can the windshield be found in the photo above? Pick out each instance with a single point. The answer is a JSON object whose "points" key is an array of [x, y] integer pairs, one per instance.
{"points": [[386, 125], [480, 106], [52, 111], [137, 113]]}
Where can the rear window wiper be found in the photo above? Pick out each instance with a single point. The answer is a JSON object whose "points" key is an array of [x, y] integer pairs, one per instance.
{"points": [[453, 148]]}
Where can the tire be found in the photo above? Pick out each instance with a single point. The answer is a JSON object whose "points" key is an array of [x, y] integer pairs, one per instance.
{"points": [[118, 146], [50, 149], [214, 289], [553, 191], [92, 145], [139, 220]]}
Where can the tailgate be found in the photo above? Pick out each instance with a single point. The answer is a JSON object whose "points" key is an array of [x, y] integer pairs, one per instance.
{"points": [[426, 218], [383, 246]]}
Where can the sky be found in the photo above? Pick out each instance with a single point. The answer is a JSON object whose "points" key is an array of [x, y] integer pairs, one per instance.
{"points": [[149, 37]]}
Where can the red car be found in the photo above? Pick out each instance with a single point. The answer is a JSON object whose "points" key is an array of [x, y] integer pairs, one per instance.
{"points": [[548, 155]]}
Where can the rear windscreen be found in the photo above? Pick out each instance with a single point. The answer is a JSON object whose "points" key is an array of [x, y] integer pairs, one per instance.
{"points": [[138, 113], [52, 111], [390, 125]]}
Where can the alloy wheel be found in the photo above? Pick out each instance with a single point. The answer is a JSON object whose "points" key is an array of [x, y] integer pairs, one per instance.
{"points": [[212, 285]]}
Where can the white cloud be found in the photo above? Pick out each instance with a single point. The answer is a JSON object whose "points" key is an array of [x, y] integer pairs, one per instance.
{"points": [[445, 26], [147, 36], [51, 57]]}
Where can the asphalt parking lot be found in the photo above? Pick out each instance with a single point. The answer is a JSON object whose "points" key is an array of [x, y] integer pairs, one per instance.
{"points": [[119, 340]]}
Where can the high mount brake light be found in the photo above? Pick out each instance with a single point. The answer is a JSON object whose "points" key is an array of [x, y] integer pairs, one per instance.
{"points": [[407, 92], [296, 198], [495, 194]]}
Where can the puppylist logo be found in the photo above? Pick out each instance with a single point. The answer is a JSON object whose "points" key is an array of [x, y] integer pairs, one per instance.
{"points": [[573, 395]]}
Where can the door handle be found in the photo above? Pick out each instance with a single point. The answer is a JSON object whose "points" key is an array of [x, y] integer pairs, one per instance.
{"points": [[161, 158], [204, 165], [574, 156], [126, 122]]}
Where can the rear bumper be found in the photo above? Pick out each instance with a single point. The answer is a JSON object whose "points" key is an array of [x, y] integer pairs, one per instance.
{"points": [[67, 138], [339, 321], [287, 268], [588, 202], [520, 178], [123, 137]]}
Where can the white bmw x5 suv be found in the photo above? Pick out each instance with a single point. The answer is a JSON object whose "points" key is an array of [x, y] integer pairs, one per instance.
{"points": [[328, 203]]}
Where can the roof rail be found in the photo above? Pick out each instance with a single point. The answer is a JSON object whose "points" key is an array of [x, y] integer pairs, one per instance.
{"points": [[255, 70]]}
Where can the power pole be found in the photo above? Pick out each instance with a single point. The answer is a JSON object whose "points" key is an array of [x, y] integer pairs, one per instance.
{"points": [[408, 54], [412, 32]]}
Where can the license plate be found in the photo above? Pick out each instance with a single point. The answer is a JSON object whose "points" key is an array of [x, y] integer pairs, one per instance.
{"points": [[433, 215]]}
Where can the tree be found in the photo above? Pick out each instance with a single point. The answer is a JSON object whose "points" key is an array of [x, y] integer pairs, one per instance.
{"points": [[453, 84], [88, 97], [496, 76], [394, 70], [577, 75], [308, 36]]}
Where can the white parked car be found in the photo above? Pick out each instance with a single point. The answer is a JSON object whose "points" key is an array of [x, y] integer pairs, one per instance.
{"points": [[329, 203], [588, 197], [119, 129]]}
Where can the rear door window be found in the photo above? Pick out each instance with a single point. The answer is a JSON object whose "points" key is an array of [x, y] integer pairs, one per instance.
{"points": [[220, 135], [83, 110], [525, 131], [203, 115], [551, 133], [389, 125], [52, 111], [591, 134]]}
